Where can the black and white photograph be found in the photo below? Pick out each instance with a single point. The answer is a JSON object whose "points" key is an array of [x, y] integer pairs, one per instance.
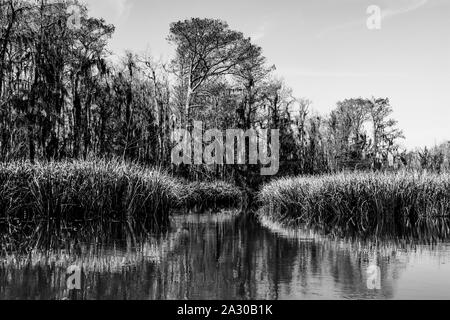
{"points": [[203, 150]]}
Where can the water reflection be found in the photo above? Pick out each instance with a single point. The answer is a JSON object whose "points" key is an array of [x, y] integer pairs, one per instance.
{"points": [[230, 256]]}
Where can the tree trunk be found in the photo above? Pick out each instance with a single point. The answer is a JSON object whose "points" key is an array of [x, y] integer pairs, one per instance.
{"points": [[77, 119]]}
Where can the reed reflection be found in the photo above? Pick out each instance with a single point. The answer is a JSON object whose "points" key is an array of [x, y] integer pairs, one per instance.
{"points": [[220, 256]]}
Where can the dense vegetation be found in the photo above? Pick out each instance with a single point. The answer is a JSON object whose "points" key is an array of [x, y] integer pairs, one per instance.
{"points": [[63, 97], [53, 200], [207, 194], [402, 204]]}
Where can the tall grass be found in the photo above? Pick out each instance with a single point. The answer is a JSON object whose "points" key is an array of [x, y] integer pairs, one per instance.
{"points": [[362, 204], [42, 203], [209, 194]]}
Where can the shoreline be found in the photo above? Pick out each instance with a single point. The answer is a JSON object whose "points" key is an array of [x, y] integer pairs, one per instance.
{"points": [[42, 203], [56, 196], [362, 204]]}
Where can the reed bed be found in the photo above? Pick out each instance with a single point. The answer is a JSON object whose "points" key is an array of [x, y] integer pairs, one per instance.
{"points": [[42, 203], [210, 194], [49, 198], [362, 204]]}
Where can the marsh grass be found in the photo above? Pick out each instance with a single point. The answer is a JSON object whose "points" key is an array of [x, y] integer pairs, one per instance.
{"points": [[362, 204], [203, 195], [42, 204]]}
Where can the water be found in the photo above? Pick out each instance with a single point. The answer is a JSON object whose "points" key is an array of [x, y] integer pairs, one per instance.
{"points": [[231, 256]]}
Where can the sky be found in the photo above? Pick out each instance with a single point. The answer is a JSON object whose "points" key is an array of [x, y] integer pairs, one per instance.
{"points": [[323, 49]]}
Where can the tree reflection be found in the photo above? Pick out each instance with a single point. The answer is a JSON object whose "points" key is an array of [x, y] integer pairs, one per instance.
{"points": [[224, 256]]}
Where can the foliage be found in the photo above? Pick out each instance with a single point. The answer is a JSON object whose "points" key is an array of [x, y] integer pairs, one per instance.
{"points": [[65, 197], [63, 97], [207, 194], [380, 204]]}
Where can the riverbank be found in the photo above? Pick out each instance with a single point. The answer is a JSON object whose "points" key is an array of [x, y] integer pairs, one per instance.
{"points": [[362, 204], [204, 195], [51, 198], [46, 201]]}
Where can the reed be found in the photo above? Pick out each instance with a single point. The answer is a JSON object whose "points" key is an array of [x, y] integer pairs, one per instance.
{"points": [[42, 203], [209, 194], [51, 196], [362, 204]]}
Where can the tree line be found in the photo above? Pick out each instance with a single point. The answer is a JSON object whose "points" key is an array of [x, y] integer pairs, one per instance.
{"points": [[63, 97]]}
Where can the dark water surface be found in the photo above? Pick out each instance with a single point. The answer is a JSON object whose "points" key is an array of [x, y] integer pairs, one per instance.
{"points": [[231, 256]]}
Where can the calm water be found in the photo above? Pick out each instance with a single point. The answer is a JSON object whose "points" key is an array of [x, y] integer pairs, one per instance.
{"points": [[230, 256]]}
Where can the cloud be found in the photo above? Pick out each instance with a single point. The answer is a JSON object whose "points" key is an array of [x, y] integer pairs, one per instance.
{"points": [[260, 34], [114, 11], [338, 74], [393, 8], [401, 7]]}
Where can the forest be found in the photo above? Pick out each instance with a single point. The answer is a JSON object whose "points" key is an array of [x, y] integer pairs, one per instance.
{"points": [[63, 97], [88, 179]]}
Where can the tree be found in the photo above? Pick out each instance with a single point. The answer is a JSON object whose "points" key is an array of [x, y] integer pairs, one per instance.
{"points": [[301, 128], [385, 131], [205, 49], [86, 52], [250, 74], [348, 136]]}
